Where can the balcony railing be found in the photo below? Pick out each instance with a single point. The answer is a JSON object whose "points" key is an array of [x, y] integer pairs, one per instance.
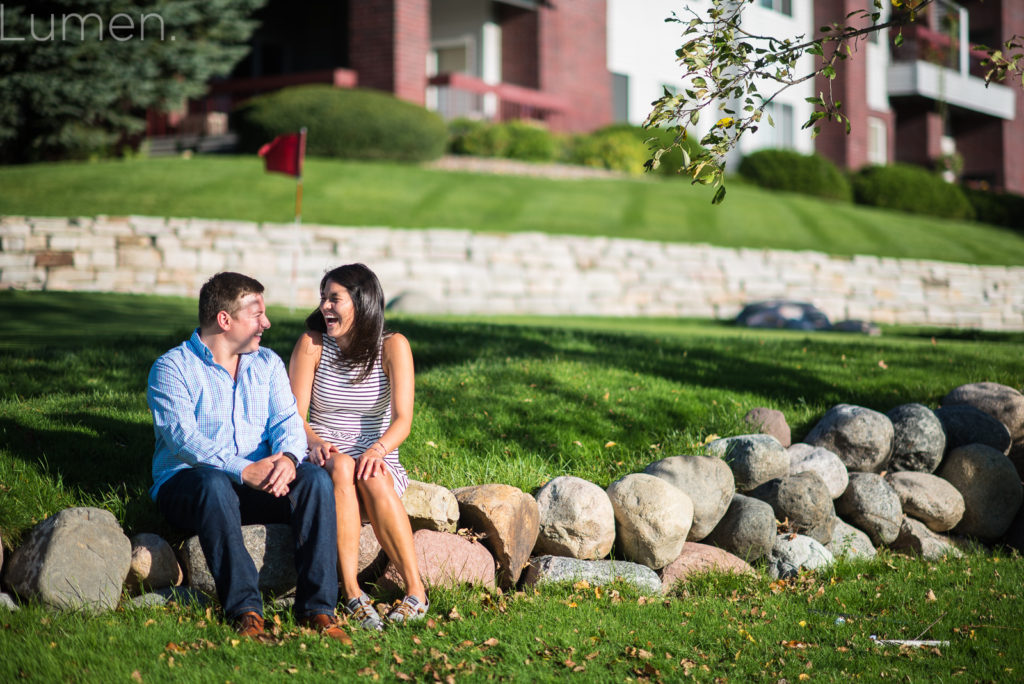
{"points": [[926, 45], [455, 95]]}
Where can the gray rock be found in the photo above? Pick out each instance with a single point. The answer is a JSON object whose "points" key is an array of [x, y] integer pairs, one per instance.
{"points": [[652, 518], [148, 600], [553, 569], [990, 486], [928, 498], [768, 421], [915, 538], [870, 504], [753, 459], [919, 440], [1017, 457], [77, 559], [271, 547], [790, 552], [7, 602], [154, 565], [706, 480], [510, 520], [862, 438], [576, 519], [431, 507], [446, 560], [183, 596], [1003, 403], [697, 559], [850, 542], [803, 500], [965, 424], [782, 313], [747, 530], [805, 458]]}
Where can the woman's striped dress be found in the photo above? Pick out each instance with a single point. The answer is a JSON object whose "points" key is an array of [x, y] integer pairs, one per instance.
{"points": [[353, 416]]}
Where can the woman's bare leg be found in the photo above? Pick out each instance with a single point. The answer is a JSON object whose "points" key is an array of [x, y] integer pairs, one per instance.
{"points": [[346, 502], [391, 525]]}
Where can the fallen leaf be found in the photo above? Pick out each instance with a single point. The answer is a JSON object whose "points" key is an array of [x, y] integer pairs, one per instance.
{"points": [[608, 445], [490, 642], [804, 676], [930, 596], [136, 675], [591, 656], [882, 364], [404, 677], [454, 614]]}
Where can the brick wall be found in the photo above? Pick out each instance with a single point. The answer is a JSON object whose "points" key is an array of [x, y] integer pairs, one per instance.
{"points": [[457, 271], [389, 41]]}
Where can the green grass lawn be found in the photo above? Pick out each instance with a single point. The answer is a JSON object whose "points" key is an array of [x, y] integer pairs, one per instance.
{"points": [[519, 401], [404, 196]]}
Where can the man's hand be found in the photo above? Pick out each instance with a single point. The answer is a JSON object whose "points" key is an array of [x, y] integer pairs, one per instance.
{"points": [[272, 474]]}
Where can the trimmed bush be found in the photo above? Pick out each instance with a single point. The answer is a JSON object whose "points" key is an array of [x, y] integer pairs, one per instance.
{"points": [[791, 171], [343, 123], [913, 189], [998, 208], [618, 150], [672, 161], [529, 141]]}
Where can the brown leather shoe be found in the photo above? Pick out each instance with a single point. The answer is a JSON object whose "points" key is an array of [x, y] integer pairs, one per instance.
{"points": [[326, 625], [249, 625]]}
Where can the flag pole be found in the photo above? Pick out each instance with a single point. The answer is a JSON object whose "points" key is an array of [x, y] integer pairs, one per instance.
{"points": [[301, 156]]}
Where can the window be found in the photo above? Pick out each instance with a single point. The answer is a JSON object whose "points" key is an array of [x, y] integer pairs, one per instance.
{"points": [[781, 6], [878, 144], [781, 136], [620, 97]]}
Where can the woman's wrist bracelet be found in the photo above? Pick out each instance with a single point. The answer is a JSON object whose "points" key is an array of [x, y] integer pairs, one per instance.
{"points": [[376, 445]]}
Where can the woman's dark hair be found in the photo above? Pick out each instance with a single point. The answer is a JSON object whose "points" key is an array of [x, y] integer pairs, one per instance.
{"points": [[368, 327]]}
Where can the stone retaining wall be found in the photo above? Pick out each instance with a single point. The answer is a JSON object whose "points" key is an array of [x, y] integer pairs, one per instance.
{"points": [[458, 271]]}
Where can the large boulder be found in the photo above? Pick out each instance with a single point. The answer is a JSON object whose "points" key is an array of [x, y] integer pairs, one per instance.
{"points": [[747, 530], [964, 424], [790, 552], [990, 486], [706, 480], [446, 560], [862, 438], [916, 539], [928, 498], [430, 507], [272, 548], [510, 520], [753, 459], [555, 569], [1003, 403], [697, 559], [154, 565], [918, 439], [769, 422], [871, 504], [804, 501], [850, 542], [77, 558], [372, 559], [576, 519], [652, 517], [805, 458]]}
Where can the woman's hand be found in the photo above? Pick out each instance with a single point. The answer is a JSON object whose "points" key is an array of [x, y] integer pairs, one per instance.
{"points": [[321, 451], [371, 462]]}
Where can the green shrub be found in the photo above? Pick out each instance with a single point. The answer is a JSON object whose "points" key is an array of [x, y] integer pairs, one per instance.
{"points": [[912, 189], [619, 150], [791, 171], [485, 140], [458, 130], [343, 123], [529, 141], [653, 138], [997, 208]]}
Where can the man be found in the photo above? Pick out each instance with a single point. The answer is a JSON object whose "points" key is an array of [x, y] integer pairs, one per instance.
{"points": [[230, 450]]}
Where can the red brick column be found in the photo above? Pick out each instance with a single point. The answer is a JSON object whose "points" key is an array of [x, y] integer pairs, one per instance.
{"points": [[388, 45]]}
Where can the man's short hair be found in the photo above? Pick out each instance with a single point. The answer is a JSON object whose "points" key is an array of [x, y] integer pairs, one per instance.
{"points": [[224, 292]]}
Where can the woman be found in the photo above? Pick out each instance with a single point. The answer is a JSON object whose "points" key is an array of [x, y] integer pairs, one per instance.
{"points": [[356, 382]]}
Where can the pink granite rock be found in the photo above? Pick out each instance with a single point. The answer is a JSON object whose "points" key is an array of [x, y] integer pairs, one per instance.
{"points": [[446, 560], [769, 422], [700, 558]]}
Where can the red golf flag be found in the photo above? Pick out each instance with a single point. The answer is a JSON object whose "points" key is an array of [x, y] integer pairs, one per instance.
{"points": [[285, 153]]}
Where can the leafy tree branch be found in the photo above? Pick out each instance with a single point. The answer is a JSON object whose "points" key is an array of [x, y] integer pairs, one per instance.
{"points": [[733, 75]]}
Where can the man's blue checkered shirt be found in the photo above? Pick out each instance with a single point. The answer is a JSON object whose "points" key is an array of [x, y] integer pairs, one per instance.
{"points": [[203, 418]]}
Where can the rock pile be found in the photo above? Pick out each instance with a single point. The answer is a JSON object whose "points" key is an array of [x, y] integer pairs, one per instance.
{"points": [[860, 479]]}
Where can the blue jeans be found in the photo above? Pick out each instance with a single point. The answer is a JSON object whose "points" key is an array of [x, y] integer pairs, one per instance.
{"points": [[208, 503]]}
